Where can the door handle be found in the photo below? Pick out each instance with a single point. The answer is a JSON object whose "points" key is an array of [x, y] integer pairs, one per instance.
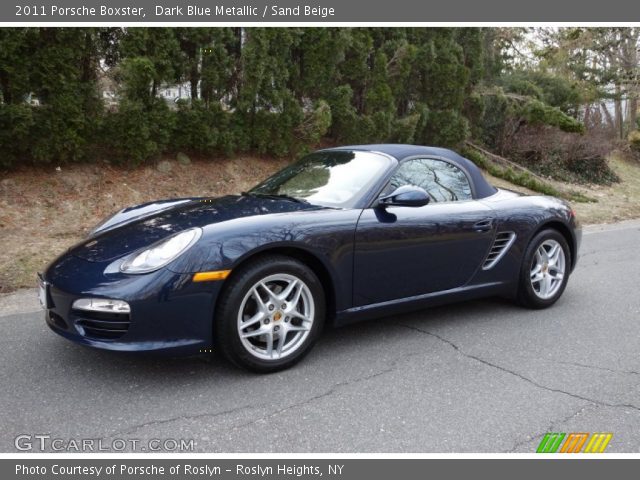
{"points": [[483, 225]]}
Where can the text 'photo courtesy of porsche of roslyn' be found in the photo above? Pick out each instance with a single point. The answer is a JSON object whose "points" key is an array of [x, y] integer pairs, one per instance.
{"points": [[331, 239]]}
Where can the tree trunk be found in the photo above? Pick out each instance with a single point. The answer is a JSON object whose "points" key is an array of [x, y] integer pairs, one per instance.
{"points": [[194, 78], [587, 116], [607, 115], [619, 119], [633, 111], [629, 81], [4, 88], [634, 77], [154, 91]]}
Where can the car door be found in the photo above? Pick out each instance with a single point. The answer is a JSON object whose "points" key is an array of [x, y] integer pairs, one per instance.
{"points": [[407, 251]]}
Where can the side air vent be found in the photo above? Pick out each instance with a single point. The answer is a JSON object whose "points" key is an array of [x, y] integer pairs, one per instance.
{"points": [[501, 244]]}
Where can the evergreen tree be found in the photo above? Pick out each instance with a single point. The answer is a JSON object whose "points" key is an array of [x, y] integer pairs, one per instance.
{"points": [[280, 90]]}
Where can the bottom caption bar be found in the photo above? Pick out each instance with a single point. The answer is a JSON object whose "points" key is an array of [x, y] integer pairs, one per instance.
{"points": [[347, 469]]}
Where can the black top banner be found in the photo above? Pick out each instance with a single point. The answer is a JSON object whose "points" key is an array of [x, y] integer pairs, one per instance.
{"points": [[321, 11]]}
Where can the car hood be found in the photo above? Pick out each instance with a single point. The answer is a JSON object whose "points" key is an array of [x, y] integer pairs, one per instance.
{"points": [[140, 231]]}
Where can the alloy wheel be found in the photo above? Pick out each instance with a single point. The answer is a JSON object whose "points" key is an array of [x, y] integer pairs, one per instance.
{"points": [[276, 316], [548, 269]]}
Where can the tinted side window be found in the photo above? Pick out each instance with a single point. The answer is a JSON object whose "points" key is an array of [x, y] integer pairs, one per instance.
{"points": [[443, 181]]}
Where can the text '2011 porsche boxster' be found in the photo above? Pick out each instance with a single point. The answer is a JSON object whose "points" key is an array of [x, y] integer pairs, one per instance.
{"points": [[343, 234]]}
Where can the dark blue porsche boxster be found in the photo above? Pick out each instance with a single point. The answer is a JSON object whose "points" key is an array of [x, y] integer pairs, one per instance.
{"points": [[341, 235]]}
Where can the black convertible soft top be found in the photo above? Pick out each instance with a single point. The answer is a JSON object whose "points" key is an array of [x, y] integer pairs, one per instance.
{"points": [[400, 152]]}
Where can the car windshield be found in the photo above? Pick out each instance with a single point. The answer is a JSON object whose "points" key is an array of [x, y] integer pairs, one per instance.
{"points": [[331, 178]]}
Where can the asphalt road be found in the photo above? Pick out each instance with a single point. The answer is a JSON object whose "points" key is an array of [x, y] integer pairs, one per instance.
{"points": [[484, 376]]}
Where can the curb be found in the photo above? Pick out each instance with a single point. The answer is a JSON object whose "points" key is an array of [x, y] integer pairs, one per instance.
{"points": [[611, 227], [21, 301]]}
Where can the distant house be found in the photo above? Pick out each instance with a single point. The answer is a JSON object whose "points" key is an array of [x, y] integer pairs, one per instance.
{"points": [[172, 93], [109, 91], [32, 100]]}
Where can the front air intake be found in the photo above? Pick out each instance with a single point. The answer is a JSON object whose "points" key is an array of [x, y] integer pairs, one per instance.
{"points": [[501, 244], [101, 325]]}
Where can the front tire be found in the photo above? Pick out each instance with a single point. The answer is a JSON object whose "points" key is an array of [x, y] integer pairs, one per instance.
{"points": [[270, 314], [545, 270]]}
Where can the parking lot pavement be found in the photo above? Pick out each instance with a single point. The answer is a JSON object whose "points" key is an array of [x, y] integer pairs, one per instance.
{"points": [[482, 376]]}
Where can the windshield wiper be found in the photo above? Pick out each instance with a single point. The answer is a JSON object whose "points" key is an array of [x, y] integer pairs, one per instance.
{"points": [[277, 196]]}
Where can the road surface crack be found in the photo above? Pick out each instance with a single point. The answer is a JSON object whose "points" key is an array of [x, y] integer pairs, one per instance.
{"points": [[516, 374], [596, 367], [332, 390], [195, 416], [393, 366]]}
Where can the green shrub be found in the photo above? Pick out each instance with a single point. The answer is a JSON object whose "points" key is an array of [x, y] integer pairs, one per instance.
{"points": [[539, 113], [444, 128], [404, 129], [634, 141], [201, 129], [16, 126], [554, 90], [315, 124], [136, 133], [269, 130], [60, 133], [343, 114], [520, 85]]}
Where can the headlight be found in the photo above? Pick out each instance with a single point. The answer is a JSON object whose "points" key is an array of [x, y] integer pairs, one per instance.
{"points": [[101, 305], [161, 253]]}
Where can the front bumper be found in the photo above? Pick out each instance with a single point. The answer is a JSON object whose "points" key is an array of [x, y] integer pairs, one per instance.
{"points": [[169, 314]]}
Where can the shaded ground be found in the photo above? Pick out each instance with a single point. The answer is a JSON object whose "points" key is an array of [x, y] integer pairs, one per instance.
{"points": [[44, 211]]}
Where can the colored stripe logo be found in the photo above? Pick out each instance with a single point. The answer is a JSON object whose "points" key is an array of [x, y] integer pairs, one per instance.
{"points": [[574, 442], [598, 442]]}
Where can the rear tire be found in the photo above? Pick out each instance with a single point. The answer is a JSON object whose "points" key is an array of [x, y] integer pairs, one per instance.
{"points": [[270, 314], [545, 270]]}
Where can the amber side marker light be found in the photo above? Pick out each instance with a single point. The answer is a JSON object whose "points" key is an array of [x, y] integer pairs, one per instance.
{"points": [[211, 276]]}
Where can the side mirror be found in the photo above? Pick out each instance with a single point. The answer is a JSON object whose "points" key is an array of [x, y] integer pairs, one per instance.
{"points": [[405, 196]]}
